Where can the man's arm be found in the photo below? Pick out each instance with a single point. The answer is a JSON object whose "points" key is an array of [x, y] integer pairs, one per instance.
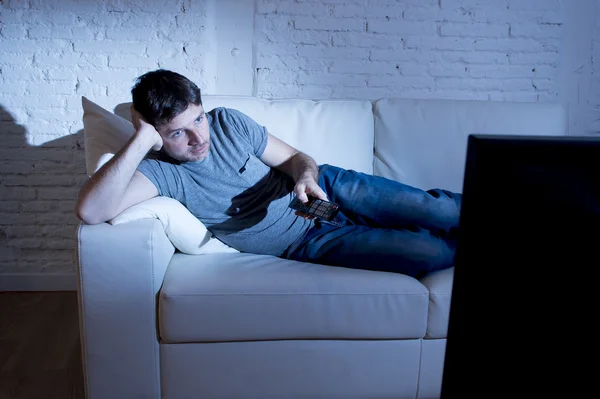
{"points": [[296, 164], [117, 185]]}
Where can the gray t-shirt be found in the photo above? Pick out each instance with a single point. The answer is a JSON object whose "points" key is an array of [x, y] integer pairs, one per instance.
{"points": [[240, 199]]}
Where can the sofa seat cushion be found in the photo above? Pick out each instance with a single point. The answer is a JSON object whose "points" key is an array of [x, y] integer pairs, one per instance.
{"points": [[246, 297], [439, 285]]}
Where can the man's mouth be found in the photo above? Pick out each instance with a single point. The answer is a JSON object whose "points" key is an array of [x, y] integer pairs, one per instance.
{"points": [[199, 149]]}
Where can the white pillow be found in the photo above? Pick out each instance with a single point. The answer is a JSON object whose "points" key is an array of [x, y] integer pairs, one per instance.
{"points": [[187, 233], [104, 135]]}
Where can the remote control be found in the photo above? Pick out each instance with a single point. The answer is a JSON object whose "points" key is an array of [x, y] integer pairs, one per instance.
{"points": [[318, 208]]}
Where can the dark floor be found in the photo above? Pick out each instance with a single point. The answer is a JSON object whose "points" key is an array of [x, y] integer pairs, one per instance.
{"points": [[40, 354]]}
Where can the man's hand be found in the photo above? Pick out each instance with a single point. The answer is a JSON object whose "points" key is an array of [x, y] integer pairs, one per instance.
{"points": [[308, 186], [145, 130]]}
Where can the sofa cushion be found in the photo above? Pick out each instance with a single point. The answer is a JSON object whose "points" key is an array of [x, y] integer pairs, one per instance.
{"points": [[246, 297], [185, 231], [439, 284], [423, 142], [104, 134]]}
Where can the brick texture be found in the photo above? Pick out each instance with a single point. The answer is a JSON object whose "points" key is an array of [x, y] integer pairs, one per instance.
{"points": [[52, 53], [460, 49]]}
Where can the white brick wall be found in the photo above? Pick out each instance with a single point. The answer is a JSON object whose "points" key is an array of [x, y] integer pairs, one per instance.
{"points": [[54, 51], [464, 49], [51, 53]]}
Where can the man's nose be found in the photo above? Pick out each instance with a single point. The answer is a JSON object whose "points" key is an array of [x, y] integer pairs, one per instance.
{"points": [[194, 137]]}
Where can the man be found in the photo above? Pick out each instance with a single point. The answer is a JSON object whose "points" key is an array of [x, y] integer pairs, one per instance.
{"points": [[239, 180]]}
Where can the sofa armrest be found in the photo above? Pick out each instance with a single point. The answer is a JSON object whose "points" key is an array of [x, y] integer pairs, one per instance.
{"points": [[120, 271]]}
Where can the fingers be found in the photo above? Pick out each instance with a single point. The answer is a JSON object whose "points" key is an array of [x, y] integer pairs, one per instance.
{"points": [[303, 197], [136, 118], [314, 190], [300, 191], [309, 187], [319, 193]]}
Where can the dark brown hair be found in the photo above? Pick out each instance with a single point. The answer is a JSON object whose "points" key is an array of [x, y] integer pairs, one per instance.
{"points": [[161, 95]]}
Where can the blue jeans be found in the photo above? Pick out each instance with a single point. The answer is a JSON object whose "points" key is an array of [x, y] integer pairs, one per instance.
{"points": [[383, 225]]}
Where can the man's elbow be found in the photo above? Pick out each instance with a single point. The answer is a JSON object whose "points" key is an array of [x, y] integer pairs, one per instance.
{"points": [[88, 216], [89, 219]]}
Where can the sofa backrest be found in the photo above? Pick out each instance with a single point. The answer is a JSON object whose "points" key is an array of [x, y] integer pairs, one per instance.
{"points": [[339, 132], [423, 142], [420, 142]]}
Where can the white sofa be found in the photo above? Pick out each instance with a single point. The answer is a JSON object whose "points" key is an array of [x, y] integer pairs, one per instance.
{"points": [[157, 323]]}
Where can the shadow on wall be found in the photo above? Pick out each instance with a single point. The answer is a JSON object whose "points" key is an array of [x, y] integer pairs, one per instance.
{"points": [[39, 186]]}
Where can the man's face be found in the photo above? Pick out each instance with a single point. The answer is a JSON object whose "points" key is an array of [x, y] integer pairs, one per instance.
{"points": [[187, 137]]}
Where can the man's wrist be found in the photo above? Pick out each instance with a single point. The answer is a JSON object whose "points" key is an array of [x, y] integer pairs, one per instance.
{"points": [[308, 175], [303, 167], [142, 142]]}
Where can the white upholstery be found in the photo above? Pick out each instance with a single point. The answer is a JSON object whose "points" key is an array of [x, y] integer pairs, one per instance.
{"points": [[234, 325], [120, 272], [423, 143], [439, 286], [246, 297], [331, 131], [184, 230], [431, 368], [298, 369], [103, 134]]}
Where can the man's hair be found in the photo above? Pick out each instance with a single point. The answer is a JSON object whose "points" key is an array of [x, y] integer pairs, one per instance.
{"points": [[161, 95]]}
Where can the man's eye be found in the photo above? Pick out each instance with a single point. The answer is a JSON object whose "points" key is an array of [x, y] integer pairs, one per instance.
{"points": [[199, 119], [176, 134]]}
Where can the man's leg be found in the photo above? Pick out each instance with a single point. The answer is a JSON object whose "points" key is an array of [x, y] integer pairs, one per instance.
{"points": [[379, 202], [411, 252]]}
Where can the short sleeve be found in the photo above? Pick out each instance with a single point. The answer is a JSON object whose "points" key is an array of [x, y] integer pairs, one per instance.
{"points": [[164, 176], [253, 131]]}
